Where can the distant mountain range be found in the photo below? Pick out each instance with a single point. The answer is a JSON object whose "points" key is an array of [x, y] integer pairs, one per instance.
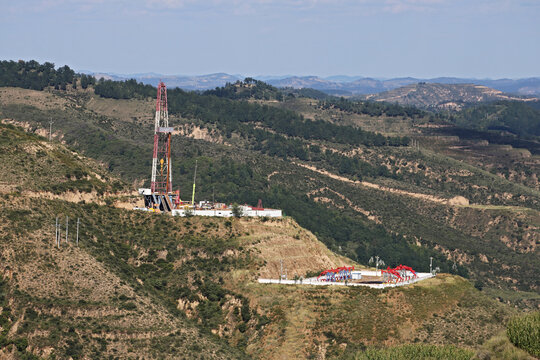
{"points": [[340, 85], [527, 86], [187, 82]]}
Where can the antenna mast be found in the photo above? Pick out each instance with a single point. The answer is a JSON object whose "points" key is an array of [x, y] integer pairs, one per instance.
{"points": [[162, 174]]}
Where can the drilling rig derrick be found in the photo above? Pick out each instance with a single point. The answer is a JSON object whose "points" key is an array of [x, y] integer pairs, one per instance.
{"points": [[161, 182], [160, 196]]}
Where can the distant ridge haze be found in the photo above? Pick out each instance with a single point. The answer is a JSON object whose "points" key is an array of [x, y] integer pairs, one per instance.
{"points": [[340, 85]]}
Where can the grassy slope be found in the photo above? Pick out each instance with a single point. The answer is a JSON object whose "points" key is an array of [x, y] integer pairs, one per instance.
{"points": [[67, 301], [148, 285], [337, 321], [30, 164], [116, 132]]}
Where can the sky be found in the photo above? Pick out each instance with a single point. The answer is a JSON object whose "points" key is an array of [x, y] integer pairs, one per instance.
{"points": [[376, 38]]}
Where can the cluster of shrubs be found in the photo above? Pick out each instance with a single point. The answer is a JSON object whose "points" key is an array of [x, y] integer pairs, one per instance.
{"points": [[524, 332]]}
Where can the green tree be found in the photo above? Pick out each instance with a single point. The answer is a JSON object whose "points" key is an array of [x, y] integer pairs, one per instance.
{"points": [[237, 210], [84, 81]]}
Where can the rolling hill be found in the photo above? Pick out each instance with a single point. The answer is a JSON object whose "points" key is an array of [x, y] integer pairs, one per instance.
{"points": [[152, 286], [361, 192], [442, 96]]}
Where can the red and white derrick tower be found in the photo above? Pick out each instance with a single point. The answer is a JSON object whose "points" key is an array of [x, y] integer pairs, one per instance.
{"points": [[161, 182]]}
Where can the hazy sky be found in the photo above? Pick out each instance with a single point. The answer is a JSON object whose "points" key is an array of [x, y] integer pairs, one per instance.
{"points": [[381, 38]]}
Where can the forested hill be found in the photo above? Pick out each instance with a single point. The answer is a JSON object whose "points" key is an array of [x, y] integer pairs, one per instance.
{"points": [[247, 89], [362, 192], [519, 118], [36, 76], [251, 89], [232, 116], [441, 96], [373, 108]]}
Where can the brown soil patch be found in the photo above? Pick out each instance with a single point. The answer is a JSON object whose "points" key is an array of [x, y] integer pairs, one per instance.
{"points": [[40, 99], [199, 133], [285, 240], [125, 110]]}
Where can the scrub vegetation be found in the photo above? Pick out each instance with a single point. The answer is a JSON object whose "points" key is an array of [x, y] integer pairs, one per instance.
{"points": [[153, 286]]}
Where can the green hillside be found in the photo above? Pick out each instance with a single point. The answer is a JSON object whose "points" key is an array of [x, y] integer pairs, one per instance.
{"points": [[519, 118], [364, 193], [143, 285]]}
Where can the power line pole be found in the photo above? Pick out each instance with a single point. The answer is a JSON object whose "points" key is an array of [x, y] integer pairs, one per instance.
{"points": [[431, 265], [67, 226], [77, 231], [214, 199], [56, 232], [59, 232], [50, 129], [378, 262]]}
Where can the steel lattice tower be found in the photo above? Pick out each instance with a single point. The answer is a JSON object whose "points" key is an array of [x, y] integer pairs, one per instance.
{"points": [[161, 162]]}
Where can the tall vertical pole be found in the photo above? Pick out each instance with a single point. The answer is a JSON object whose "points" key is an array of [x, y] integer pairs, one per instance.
{"points": [[50, 129], [67, 226], [59, 232], [430, 265], [77, 232], [56, 231], [194, 179]]}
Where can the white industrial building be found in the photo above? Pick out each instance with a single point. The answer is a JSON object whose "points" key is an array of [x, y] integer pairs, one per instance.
{"points": [[246, 211]]}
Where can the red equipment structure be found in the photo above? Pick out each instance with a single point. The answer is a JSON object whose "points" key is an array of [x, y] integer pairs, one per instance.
{"points": [[398, 274], [259, 206], [339, 274], [404, 271], [161, 181]]}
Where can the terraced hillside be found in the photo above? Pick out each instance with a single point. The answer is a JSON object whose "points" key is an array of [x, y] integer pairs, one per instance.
{"points": [[362, 194], [142, 285]]}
